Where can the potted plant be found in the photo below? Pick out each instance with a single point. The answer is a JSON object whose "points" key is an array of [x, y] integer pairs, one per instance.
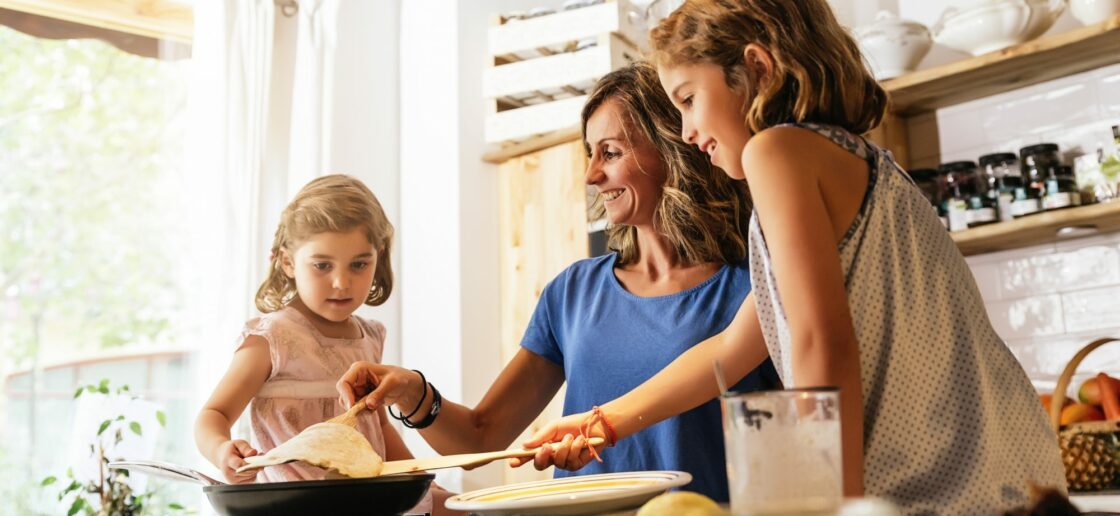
{"points": [[110, 493]]}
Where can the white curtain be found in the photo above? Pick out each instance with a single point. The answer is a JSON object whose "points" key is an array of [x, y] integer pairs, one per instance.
{"points": [[228, 142], [316, 45], [260, 120]]}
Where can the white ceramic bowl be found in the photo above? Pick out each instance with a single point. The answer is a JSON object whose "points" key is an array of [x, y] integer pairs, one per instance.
{"points": [[996, 25], [893, 46], [1091, 12]]}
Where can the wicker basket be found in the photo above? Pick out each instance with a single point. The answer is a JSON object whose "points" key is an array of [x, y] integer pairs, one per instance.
{"points": [[1107, 431]]}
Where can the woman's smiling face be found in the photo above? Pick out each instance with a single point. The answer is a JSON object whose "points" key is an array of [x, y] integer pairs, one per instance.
{"points": [[624, 167]]}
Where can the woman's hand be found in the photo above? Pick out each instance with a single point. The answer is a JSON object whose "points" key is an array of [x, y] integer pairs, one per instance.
{"points": [[386, 385], [569, 449], [231, 455]]}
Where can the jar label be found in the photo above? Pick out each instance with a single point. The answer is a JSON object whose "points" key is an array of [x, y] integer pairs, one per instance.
{"points": [[981, 216], [1005, 211], [1057, 200], [958, 215], [1024, 207]]}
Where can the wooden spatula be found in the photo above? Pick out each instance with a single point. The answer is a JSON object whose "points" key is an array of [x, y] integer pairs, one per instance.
{"points": [[414, 465], [463, 460], [350, 417]]}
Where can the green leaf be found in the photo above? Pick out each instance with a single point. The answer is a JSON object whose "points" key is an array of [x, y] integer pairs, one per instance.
{"points": [[174, 506], [91, 389], [104, 425], [161, 417], [48, 481], [120, 418], [70, 472], [76, 506], [135, 427], [79, 392], [103, 385]]}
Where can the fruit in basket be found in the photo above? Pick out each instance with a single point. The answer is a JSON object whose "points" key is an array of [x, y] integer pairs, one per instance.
{"points": [[1045, 398], [1090, 461], [1080, 412], [1090, 392]]}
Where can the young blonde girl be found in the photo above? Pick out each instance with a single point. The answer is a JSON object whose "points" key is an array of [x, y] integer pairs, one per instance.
{"points": [[329, 257], [856, 284]]}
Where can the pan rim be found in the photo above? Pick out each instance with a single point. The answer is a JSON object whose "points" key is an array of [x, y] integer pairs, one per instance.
{"points": [[301, 484]]}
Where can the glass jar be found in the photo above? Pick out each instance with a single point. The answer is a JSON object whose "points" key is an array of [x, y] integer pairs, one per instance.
{"points": [[1000, 173], [959, 190], [1061, 189], [963, 187], [1036, 162]]}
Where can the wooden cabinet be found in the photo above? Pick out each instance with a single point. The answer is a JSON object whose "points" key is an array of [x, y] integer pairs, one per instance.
{"points": [[542, 229]]}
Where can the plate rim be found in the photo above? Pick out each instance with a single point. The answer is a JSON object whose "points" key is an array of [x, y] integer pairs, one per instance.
{"points": [[679, 478]]}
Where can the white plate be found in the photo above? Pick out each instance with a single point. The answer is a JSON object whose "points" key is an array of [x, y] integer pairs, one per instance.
{"points": [[586, 494]]}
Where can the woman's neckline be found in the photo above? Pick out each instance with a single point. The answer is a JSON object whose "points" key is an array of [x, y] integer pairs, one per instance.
{"points": [[618, 282]]}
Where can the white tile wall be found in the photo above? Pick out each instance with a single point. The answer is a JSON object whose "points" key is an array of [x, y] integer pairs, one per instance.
{"points": [[1049, 300]]}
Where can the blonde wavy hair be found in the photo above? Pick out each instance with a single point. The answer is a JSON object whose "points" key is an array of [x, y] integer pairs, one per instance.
{"points": [[703, 213], [338, 204], [819, 73]]}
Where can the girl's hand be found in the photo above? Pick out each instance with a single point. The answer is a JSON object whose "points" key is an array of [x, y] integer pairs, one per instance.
{"points": [[231, 455], [386, 385], [569, 450]]}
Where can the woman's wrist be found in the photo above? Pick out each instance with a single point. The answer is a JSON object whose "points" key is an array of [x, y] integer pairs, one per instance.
{"points": [[617, 421]]}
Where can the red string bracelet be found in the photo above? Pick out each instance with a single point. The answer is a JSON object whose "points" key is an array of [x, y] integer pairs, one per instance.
{"points": [[612, 437], [585, 430]]}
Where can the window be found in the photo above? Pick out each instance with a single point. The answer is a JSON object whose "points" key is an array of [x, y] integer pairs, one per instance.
{"points": [[92, 269]]}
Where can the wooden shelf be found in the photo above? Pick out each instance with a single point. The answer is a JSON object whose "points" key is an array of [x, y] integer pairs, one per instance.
{"points": [[1043, 59], [1040, 228]]}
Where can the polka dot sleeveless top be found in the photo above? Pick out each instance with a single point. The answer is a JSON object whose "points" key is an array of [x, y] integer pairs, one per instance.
{"points": [[951, 422]]}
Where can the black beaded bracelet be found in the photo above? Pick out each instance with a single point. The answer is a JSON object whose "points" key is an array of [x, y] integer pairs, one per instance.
{"points": [[419, 404], [437, 401]]}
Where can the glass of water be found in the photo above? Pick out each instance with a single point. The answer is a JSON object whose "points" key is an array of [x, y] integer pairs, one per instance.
{"points": [[783, 451]]}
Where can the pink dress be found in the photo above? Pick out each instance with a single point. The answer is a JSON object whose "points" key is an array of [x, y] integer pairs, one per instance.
{"points": [[300, 392]]}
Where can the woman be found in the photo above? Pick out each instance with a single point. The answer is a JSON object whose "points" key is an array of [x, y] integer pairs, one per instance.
{"points": [[605, 325]]}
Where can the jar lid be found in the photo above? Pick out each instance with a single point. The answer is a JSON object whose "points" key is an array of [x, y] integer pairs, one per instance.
{"points": [[923, 174], [1038, 148], [956, 166], [997, 158]]}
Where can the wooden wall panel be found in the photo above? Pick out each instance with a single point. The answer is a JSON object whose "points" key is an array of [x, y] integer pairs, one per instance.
{"points": [[542, 229]]}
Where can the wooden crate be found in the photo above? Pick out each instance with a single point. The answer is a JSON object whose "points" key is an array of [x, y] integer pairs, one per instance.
{"points": [[542, 68]]}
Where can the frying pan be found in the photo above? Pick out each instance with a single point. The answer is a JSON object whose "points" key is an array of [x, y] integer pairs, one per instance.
{"points": [[387, 495]]}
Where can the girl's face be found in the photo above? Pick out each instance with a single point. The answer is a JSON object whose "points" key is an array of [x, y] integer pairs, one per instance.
{"points": [[333, 272], [625, 168], [712, 114]]}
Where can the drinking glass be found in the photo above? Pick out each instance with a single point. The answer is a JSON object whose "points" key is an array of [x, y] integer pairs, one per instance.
{"points": [[783, 451]]}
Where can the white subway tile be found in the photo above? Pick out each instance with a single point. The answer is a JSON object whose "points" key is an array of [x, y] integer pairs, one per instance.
{"points": [[1091, 309], [987, 279], [1091, 266], [1044, 358], [1107, 239], [1108, 89], [1031, 274], [1027, 317]]}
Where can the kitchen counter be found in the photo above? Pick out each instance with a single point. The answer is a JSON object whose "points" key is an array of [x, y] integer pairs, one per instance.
{"points": [[1105, 501]]}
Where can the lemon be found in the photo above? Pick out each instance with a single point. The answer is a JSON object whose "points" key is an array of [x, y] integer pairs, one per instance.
{"points": [[681, 503]]}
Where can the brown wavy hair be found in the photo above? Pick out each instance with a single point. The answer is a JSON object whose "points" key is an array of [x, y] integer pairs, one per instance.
{"points": [[338, 204], [702, 212], [819, 73]]}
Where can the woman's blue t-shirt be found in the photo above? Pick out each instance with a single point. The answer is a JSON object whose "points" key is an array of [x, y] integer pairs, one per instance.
{"points": [[609, 341]]}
